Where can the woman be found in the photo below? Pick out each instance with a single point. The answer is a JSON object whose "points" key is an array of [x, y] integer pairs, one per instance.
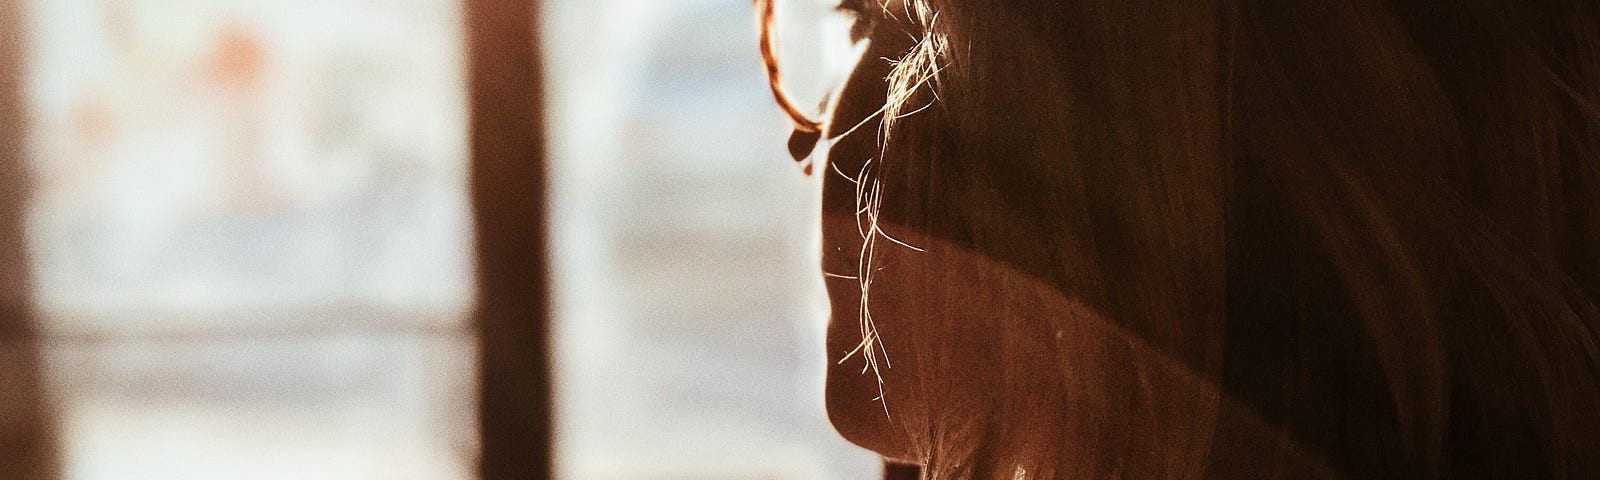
{"points": [[1218, 239]]}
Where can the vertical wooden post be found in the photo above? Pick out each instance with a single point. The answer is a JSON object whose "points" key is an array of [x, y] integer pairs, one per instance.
{"points": [[508, 199], [27, 440]]}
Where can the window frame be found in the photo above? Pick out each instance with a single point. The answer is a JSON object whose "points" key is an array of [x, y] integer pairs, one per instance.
{"points": [[508, 189], [28, 447]]}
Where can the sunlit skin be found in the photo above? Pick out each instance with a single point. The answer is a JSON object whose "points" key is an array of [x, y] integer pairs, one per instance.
{"points": [[1221, 240], [850, 389], [941, 313], [944, 312]]}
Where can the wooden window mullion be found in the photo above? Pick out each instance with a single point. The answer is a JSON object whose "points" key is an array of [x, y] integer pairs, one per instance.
{"points": [[27, 439], [508, 199]]}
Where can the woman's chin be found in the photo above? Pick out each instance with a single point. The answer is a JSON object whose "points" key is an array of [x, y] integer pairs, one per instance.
{"points": [[861, 419]]}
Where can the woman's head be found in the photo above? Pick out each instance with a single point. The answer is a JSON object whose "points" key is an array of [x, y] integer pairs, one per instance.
{"points": [[1095, 238]]}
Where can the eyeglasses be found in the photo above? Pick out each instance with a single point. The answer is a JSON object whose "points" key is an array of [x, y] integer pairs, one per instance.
{"points": [[841, 48], [807, 132], [769, 57]]}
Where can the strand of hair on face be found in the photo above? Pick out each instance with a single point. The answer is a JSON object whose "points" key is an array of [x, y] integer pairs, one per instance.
{"points": [[769, 58]]}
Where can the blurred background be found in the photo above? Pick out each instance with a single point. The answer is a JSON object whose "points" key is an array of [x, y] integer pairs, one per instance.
{"points": [[247, 239]]}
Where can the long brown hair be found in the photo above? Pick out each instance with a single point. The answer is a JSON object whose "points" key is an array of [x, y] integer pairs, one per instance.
{"points": [[1373, 225]]}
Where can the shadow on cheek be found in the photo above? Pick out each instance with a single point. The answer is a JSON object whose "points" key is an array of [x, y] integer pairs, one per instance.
{"points": [[862, 412]]}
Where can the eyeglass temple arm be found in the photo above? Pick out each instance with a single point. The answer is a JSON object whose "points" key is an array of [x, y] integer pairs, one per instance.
{"points": [[769, 57]]}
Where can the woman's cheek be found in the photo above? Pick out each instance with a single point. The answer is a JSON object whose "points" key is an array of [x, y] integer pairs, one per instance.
{"points": [[868, 414], [935, 334], [873, 415]]}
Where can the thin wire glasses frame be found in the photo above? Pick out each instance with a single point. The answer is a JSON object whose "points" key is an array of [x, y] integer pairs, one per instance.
{"points": [[807, 131], [769, 58]]}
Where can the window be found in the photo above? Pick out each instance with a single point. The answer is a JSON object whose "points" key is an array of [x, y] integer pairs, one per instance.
{"points": [[251, 251], [689, 312], [252, 247]]}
